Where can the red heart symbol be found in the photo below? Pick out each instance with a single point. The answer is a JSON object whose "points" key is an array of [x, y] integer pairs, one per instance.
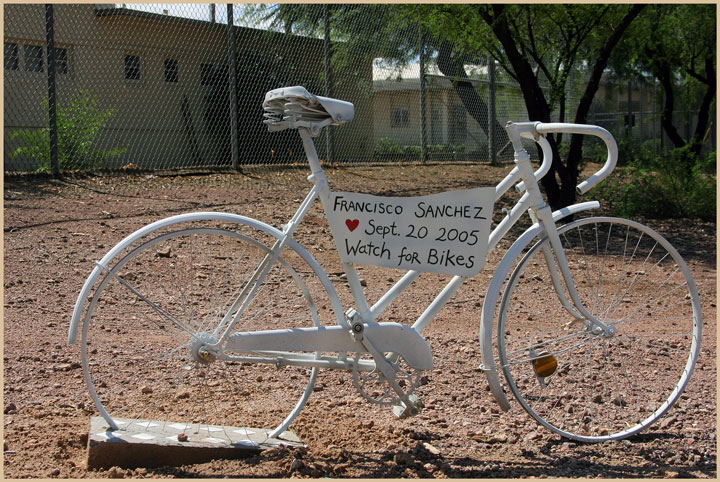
{"points": [[352, 224]]}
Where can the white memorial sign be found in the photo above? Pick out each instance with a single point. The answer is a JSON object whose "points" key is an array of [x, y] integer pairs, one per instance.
{"points": [[441, 233]]}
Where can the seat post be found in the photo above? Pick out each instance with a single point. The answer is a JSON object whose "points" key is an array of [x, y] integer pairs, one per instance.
{"points": [[311, 152]]}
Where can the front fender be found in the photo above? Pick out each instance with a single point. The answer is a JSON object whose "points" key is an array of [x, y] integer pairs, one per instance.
{"points": [[189, 217], [493, 292]]}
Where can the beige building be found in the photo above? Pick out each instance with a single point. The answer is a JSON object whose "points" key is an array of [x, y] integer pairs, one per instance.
{"points": [[396, 105], [165, 78]]}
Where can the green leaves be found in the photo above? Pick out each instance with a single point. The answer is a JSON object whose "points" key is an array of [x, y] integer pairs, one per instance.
{"points": [[681, 186], [79, 124]]}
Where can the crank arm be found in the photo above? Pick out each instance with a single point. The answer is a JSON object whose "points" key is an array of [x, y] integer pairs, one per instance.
{"points": [[411, 406]]}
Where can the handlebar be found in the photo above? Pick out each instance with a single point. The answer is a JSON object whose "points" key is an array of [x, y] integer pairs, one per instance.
{"points": [[537, 130]]}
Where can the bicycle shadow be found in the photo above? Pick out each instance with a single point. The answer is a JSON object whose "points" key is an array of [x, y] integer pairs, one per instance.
{"points": [[582, 461], [421, 462]]}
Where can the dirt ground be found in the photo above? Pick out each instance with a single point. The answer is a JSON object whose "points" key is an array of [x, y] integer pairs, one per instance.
{"points": [[54, 230]]}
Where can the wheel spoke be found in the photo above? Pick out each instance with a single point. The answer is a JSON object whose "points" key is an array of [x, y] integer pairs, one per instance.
{"points": [[601, 385], [161, 311], [144, 329]]}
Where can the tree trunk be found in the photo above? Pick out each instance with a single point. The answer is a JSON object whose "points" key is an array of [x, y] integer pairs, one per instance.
{"points": [[664, 74], [704, 110], [576, 141], [558, 195], [475, 105]]}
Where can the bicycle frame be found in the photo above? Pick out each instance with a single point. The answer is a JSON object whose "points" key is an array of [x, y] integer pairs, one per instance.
{"points": [[531, 201]]}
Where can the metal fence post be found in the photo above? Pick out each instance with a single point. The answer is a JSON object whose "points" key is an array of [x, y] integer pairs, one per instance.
{"points": [[328, 80], [641, 107], [628, 124], [423, 120], [52, 110], [491, 108], [234, 146], [654, 117]]}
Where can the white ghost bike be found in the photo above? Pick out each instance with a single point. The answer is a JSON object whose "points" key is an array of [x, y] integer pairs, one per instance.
{"points": [[218, 319]]}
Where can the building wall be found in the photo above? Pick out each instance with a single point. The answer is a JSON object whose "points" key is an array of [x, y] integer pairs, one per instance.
{"points": [[441, 105], [385, 105], [161, 123]]}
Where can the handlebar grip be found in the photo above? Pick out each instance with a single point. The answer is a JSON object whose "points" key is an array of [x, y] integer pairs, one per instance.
{"points": [[607, 138]]}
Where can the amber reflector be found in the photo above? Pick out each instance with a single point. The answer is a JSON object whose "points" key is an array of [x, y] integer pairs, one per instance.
{"points": [[545, 365]]}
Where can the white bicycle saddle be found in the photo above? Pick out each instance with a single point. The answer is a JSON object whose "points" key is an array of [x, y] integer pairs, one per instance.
{"points": [[287, 105]]}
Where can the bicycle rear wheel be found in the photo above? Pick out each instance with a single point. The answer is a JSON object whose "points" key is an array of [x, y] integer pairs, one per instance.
{"points": [[158, 301], [570, 377]]}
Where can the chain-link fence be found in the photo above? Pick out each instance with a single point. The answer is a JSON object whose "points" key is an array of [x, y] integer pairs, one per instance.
{"points": [[631, 110], [172, 86]]}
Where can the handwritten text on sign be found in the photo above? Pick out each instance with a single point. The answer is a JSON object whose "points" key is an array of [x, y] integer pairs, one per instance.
{"points": [[440, 233]]}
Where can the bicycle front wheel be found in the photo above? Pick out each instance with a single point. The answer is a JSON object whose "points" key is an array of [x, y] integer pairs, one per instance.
{"points": [[572, 378], [161, 300]]}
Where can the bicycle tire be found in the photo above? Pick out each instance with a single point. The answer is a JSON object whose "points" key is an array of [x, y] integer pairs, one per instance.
{"points": [[570, 377], [158, 299]]}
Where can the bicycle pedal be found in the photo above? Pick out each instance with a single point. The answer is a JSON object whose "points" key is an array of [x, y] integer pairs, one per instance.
{"points": [[404, 411]]}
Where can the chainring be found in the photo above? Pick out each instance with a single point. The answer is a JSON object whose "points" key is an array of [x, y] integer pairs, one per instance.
{"points": [[374, 387]]}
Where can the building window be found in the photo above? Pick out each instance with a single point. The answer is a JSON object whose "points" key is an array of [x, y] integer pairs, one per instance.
{"points": [[12, 56], [33, 58], [171, 70], [400, 117], [61, 60], [206, 74], [132, 67]]}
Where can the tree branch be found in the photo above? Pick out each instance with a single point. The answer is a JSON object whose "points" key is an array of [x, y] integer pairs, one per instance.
{"points": [[696, 75], [594, 81], [603, 59]]}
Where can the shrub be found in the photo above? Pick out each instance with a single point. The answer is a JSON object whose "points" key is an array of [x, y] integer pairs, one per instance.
{"points": [[387, 148], [450, 152], [413, 153], [78, 127], [680, 185]]}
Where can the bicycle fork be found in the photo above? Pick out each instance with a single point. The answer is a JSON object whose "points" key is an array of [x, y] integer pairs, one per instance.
{"points": [[555, 257]]}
